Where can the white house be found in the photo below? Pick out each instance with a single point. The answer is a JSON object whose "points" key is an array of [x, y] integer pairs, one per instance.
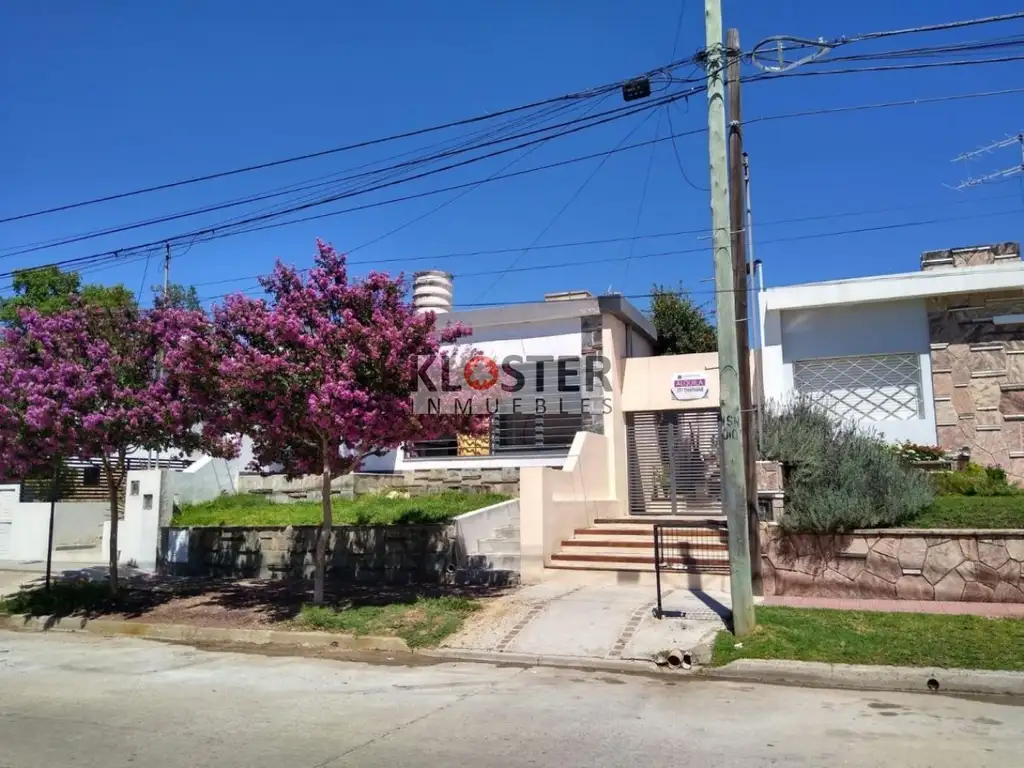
{"points": [[935, 357], [564, 325]]}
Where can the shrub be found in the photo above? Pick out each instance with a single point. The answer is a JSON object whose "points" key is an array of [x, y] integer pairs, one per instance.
{"points": [[975, 481], [838, 476]]}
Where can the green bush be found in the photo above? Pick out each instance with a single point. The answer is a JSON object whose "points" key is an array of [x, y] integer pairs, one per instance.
{"points": [[974, 481], [838, 476]]}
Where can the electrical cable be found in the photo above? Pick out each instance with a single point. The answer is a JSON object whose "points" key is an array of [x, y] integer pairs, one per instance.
{"points": [[121, 253], [643, 197], [572, 199], [707, 248], [571, 126], [588, 93]]}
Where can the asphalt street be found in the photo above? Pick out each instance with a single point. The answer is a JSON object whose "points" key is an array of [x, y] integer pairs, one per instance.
{"points": [[78, 700]]}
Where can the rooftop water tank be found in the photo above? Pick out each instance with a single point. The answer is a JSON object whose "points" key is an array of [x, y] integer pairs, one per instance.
{"points": [[432, 291]]}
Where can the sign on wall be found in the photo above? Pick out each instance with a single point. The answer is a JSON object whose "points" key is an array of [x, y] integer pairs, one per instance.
{"points": [[689, 386]]}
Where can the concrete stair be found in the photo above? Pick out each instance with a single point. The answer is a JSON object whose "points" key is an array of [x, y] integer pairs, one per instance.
{"points": [[699, 546], [496, 561]]}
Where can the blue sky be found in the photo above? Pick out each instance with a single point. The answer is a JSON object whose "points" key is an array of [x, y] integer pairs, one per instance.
{"points": [[99, 98]]}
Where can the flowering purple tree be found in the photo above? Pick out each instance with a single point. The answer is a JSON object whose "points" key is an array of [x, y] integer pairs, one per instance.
{"points": [[323, 375], [98, 382]]}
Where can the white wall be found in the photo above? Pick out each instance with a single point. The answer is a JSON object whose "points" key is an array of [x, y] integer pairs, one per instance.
{"points": [[205, 479], [138, 534], [79, 523], [74, 523], [877, 328]]}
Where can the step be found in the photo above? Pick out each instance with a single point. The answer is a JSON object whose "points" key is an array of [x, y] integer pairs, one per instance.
{"points": [[485, 577], [642, 546], [497, 546], [624, 560], [495, 562], [647, 534], [507, 532], [653, 520]]}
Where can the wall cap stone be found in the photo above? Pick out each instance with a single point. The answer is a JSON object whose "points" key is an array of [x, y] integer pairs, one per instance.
{"points": [[945, 533]]}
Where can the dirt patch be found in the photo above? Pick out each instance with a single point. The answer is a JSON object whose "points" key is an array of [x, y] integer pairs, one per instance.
{"points": [[253, 604]]}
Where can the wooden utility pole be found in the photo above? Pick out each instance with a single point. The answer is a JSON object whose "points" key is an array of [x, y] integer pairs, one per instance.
{"points": [[734, 481], [741, 272]]}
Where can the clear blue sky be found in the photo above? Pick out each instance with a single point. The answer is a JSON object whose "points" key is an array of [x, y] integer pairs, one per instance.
{"points": [[97, 98]]}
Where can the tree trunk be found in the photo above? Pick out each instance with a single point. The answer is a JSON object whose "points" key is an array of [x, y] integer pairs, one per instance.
{"points": [[324, 535], [112, 488]]}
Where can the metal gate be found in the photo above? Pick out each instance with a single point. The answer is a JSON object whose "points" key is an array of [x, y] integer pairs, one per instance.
{"points": [[674, 462]]}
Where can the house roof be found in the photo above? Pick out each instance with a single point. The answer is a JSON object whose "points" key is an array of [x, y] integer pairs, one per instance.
{"points": [[562, 309], [942, 281]]}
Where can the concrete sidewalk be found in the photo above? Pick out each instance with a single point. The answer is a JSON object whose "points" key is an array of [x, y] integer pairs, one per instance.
{"points": [[609, 623]]}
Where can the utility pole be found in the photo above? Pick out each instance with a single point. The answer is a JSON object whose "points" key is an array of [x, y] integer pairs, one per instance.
{"points": [[167, 283], [734, 481], [741, 271], [167, 268]]}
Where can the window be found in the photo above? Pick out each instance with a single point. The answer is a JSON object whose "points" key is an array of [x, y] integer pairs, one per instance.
{"points": [[535, 432], [134, 488], [91, 477], [866, 388], [147, 501]]}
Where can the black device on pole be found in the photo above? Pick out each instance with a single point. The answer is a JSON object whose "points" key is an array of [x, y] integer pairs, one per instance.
{"points": [[637, 88]]}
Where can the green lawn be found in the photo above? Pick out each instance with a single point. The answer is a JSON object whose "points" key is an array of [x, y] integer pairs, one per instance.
{"points": [[972, 512], [423, 622], [856, 637], [252, 509]]}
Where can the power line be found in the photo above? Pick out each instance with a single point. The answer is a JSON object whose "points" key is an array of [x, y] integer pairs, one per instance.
{"points": [[456, 197], [643, 195], [120, 254], [784, 43], [569, 202], [707, 248], [323, 181], [884, 68], [212, 234], [335, 150], [570, 127]]}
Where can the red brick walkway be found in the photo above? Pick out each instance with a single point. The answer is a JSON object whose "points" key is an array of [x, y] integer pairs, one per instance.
{"points": [[992, 610]]}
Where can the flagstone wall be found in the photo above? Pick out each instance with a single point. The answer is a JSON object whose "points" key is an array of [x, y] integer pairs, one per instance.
{"points": [[896, 564], [978, 365]]}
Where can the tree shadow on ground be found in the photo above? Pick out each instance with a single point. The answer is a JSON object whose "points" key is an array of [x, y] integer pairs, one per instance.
{"points": [[230, 603]]}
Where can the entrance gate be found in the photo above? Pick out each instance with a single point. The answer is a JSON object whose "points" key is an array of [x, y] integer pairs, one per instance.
{"points": [[674, 462]]}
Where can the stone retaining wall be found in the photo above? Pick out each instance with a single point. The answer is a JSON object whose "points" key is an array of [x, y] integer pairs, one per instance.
{"points": [[384, 554], [903, 564], [419, 482]]}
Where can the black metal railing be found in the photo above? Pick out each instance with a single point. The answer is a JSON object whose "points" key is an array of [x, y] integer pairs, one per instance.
{"points": [[689, 547]]}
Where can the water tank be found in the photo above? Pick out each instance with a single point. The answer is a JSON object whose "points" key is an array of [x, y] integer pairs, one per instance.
{"points": [[432, 291]]}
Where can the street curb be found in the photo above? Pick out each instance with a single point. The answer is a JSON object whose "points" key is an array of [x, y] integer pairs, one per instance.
{"points": [[867, 677], [182, 633], [580, 663]]}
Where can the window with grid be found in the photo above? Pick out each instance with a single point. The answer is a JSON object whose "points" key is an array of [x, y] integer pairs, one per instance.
{"points": [[866, 388]]}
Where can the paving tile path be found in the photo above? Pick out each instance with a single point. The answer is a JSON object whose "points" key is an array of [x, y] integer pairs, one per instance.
{"points": [[596, 622], [991, 610]]}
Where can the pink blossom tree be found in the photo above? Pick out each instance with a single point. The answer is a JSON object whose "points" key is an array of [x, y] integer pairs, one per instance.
{"points": [[324, 373], [96, 383]]}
